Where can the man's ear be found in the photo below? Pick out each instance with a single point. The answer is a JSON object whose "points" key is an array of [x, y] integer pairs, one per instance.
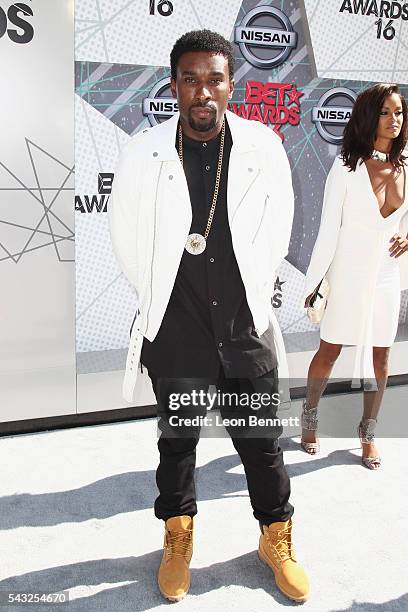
{"points": [[173, 88], [231, 88]]}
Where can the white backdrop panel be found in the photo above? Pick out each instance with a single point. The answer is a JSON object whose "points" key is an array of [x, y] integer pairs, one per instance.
{"points": [[125, 32], [345, 43], [37, 311]]}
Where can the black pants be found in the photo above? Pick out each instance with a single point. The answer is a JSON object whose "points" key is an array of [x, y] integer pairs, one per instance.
{"points": [[262, 458]]}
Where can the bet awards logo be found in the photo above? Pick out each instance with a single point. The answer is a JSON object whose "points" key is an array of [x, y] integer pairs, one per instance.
{"points": [[15, 16], [160, 104], [99, 203], [332, 113], [265, 37], [272, 103], [278, 293]]}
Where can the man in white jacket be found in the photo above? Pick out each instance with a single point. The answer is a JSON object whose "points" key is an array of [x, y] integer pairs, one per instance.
{"points": [[200, 218]]}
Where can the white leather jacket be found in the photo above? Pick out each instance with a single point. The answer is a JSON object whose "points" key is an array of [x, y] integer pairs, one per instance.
{"points": [[150, 218]]}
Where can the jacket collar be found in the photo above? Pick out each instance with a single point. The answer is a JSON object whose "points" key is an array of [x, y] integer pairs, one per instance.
{"points": [[243, 138]]}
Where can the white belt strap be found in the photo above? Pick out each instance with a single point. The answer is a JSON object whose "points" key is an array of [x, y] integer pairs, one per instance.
{"points": [[132, 361]]}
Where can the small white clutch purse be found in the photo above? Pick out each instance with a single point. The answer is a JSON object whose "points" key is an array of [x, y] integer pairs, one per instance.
{"points": [[318, 301]]}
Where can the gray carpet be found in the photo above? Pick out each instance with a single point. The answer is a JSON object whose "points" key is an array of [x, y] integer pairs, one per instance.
{"points": [[76, 515]]}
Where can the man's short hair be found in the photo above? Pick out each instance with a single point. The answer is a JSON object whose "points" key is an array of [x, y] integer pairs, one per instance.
{"points": [[202, 40]]}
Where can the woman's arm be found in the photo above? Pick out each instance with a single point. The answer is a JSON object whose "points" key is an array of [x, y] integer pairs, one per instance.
{"points": [[330, 222]]}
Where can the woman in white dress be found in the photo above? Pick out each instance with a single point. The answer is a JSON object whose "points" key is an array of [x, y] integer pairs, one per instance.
{"points": [[363, 234]]}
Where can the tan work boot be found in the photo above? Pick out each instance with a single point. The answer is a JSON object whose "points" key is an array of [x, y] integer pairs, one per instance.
{"points": [[276, 549], [174, 573]]}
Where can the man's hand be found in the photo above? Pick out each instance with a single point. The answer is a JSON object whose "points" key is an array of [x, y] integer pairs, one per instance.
{"points": [[399, 245]]}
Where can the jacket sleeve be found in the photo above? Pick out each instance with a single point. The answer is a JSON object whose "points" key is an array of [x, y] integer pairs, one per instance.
{"points": [[330, 222], [123, 213], [285, 221], [281, 199]]}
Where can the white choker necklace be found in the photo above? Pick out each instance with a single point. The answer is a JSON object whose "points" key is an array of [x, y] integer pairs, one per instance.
{"points": [[379, 156]]}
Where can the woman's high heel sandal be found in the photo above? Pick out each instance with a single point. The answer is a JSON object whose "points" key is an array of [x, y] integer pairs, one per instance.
{"points": [[366, 431], [309, 421]]}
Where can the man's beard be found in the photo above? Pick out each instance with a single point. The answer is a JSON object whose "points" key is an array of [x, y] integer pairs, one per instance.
{"points": [[201, 126]]}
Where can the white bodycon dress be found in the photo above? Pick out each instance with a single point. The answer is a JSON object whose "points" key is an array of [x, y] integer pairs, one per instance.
{"points": [[339, 325], [352, 251]]}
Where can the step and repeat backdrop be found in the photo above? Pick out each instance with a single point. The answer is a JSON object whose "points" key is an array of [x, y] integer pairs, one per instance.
{"points": [[299, 67]]}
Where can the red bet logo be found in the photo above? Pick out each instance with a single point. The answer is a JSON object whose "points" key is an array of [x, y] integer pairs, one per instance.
{"points": [[266, 93]]}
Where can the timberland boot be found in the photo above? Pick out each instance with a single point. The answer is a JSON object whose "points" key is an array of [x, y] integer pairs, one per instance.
{"points": [[174, 573], [276, 550]]}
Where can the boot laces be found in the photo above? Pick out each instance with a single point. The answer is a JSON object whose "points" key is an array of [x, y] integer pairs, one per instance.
{"points": [[283, 544], [178, 543]]}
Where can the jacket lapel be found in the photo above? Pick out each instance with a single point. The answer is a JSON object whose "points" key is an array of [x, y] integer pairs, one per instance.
{"points": [[243, 165], [174, 198], [242, 173], [176, 194]]}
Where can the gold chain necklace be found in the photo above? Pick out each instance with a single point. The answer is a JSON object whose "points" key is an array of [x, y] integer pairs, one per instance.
{"points": [[196, 243]]}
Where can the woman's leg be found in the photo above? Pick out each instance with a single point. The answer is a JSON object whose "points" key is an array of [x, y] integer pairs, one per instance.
{"points": [[373, 399], [319, 372]]}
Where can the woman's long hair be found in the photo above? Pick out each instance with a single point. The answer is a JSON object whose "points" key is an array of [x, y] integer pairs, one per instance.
{"points": [[360, 131]]}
